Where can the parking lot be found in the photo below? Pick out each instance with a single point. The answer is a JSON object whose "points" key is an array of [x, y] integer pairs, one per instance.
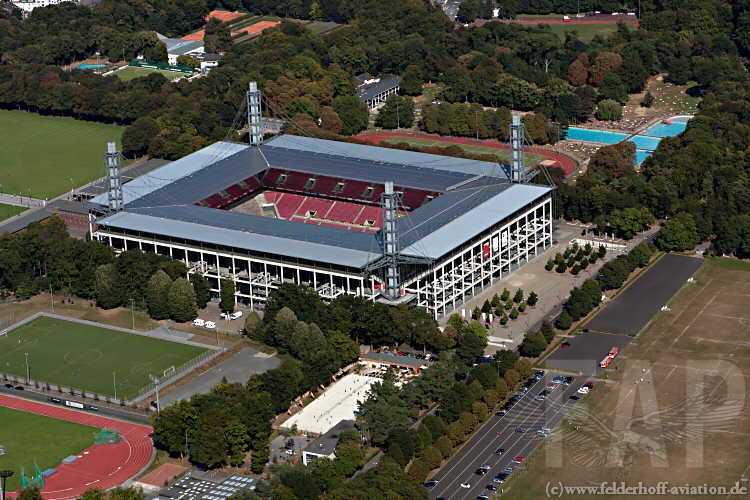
{"points": [[529, 414], [585, 352]]}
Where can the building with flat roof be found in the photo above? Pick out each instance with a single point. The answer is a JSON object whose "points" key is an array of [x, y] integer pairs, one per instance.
{"points": [[374, 91], [385, 359], [384, 224]]}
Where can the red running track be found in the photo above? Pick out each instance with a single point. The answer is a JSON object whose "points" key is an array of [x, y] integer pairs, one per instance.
{"points": [[102, 466], [567, 164]]}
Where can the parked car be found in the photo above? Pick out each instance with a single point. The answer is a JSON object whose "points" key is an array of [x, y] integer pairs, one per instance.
{"points": [[501, 412], [491, 487], [557, 379], [499, 451], [520, 430], [8, 386], [583, 390], [575, 397], [518, 460], [508, 469], [565, 345], [431, 483], [538, 375], [465, 486], [199, 322], [568, 380], [19, 388], [210, 324], [590, 385], [551, 386]]}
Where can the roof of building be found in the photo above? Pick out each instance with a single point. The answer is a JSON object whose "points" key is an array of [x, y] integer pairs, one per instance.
{"points": [[185, 47], [193, 488], [22, 221], [209, 57], [368, 91], [393, 359], [70, 206], [326, 444], [128, 174], [475, 196]]}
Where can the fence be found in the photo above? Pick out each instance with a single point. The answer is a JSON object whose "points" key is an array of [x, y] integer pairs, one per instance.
{"points": [[162, 66]]}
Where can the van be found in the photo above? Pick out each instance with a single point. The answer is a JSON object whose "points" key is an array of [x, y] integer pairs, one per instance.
{"points": [[236, 315], [210, 324], [198, 322]]}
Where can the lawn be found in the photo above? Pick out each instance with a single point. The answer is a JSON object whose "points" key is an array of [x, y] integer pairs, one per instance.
{"points": [[43, 153], [585, 32], [131, 72], [28, 437], [674, 407], [502, 154], [85, 357], [8, 211]]}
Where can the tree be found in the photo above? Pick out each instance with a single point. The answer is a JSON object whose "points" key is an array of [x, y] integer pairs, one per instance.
{"points": [[330, 121], [564, 321], [93, 494], [514, 313], [549, 265], [108, 289], [604, 63], [30, 493], [411, 80], [578, 71], [533, 345], [126, 493], [156, 298], [518, 296], [182, 304], [613, 88], [397, 112], [301, 106], [202, 288], [533, 299], [217, 38], [227, 295], [185, 60], [547, 331], [648, 100], [678, 233], [137, 137], [505, 295], [609, 110], [353, 113], [471, 343]]}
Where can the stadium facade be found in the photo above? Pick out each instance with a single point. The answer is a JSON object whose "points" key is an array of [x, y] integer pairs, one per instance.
{"points": [[342, 218]]}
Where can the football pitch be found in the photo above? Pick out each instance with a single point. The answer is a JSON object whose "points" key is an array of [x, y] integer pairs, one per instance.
{"points": [[28, 437], [42, 155], [132, 72], [89, 357], [502, 154]]}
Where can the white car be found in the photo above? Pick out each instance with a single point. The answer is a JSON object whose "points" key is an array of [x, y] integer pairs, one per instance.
{"points": [[199, 322], [465, 485], [583, 390], [236, 315], [210, 324]]}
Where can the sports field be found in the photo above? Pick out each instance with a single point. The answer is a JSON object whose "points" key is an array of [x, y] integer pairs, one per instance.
{"points": [[8, 211], [85, 357], [586, 32], [44, 153], [502, 154], [674, 410], [132, 72], [28, 437]]}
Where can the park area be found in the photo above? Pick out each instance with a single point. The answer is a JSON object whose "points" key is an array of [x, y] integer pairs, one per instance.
{"points": [[87, 357], [8, 211], [674, 406], [29, 438], [43, 155], [130, 72]]}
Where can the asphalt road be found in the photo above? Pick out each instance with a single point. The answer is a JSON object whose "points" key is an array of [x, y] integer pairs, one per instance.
{"points": [[500, 432]]}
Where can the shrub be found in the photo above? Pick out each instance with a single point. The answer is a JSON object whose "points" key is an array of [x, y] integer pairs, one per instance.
{"points": [[533, 299]]}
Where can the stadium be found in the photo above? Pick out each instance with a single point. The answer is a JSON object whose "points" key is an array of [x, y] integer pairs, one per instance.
{"points": [[343, 218]]}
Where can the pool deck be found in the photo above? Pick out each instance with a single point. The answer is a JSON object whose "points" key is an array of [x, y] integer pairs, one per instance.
{"points": [[639, 131]]}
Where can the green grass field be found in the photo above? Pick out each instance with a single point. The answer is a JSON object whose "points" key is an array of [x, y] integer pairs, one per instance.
{"points": [[131, 72], [85, 357], [502, 154], [28, 437], [44, 153], [8, 211], [586, 32]]}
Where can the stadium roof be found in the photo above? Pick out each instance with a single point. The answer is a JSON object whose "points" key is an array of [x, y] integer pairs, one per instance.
{"points": [[163, 202]]}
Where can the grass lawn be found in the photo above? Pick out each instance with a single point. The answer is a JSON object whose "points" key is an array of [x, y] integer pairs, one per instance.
{"points": [[503, 154], [131, 72], [8, 211], [43, 153], [28, 437], [85, 357], [670, 98], [586, 32]]}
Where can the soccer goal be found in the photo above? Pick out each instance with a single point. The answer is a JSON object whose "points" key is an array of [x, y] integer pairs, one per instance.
{"points": [[169, 372]]}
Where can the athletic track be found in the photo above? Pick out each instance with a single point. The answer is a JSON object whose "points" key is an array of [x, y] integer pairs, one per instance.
{"points": [[566, 163], [102, 466]]}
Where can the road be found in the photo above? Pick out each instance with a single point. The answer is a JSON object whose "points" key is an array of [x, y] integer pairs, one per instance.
{"points": [[500, 432]]}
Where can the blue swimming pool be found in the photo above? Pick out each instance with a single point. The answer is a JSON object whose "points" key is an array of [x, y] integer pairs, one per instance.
{"points": [[641, 155], [90, 66], [597, 136], [664, 130], [645, 142]]}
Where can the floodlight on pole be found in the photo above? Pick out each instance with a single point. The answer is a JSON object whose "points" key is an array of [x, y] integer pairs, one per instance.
{"points": [[4, 474], [28, 377], [132, 311], [114, 382], [155, 380]]}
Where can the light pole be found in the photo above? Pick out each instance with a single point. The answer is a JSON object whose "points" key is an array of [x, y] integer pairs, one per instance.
{"points": [[52, 298], [28, 376], [114, 382], [155, 380], [4, 474], [71, 188], [132, 311]]}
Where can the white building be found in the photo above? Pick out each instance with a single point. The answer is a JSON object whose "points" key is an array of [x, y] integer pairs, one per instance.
{"points": [[374, 91], [29, 5]]}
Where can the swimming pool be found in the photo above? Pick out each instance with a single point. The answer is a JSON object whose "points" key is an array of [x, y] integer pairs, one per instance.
{"points": [[641, 155], [664, 130], [90, 66], [645, 142], [597, 136]]}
